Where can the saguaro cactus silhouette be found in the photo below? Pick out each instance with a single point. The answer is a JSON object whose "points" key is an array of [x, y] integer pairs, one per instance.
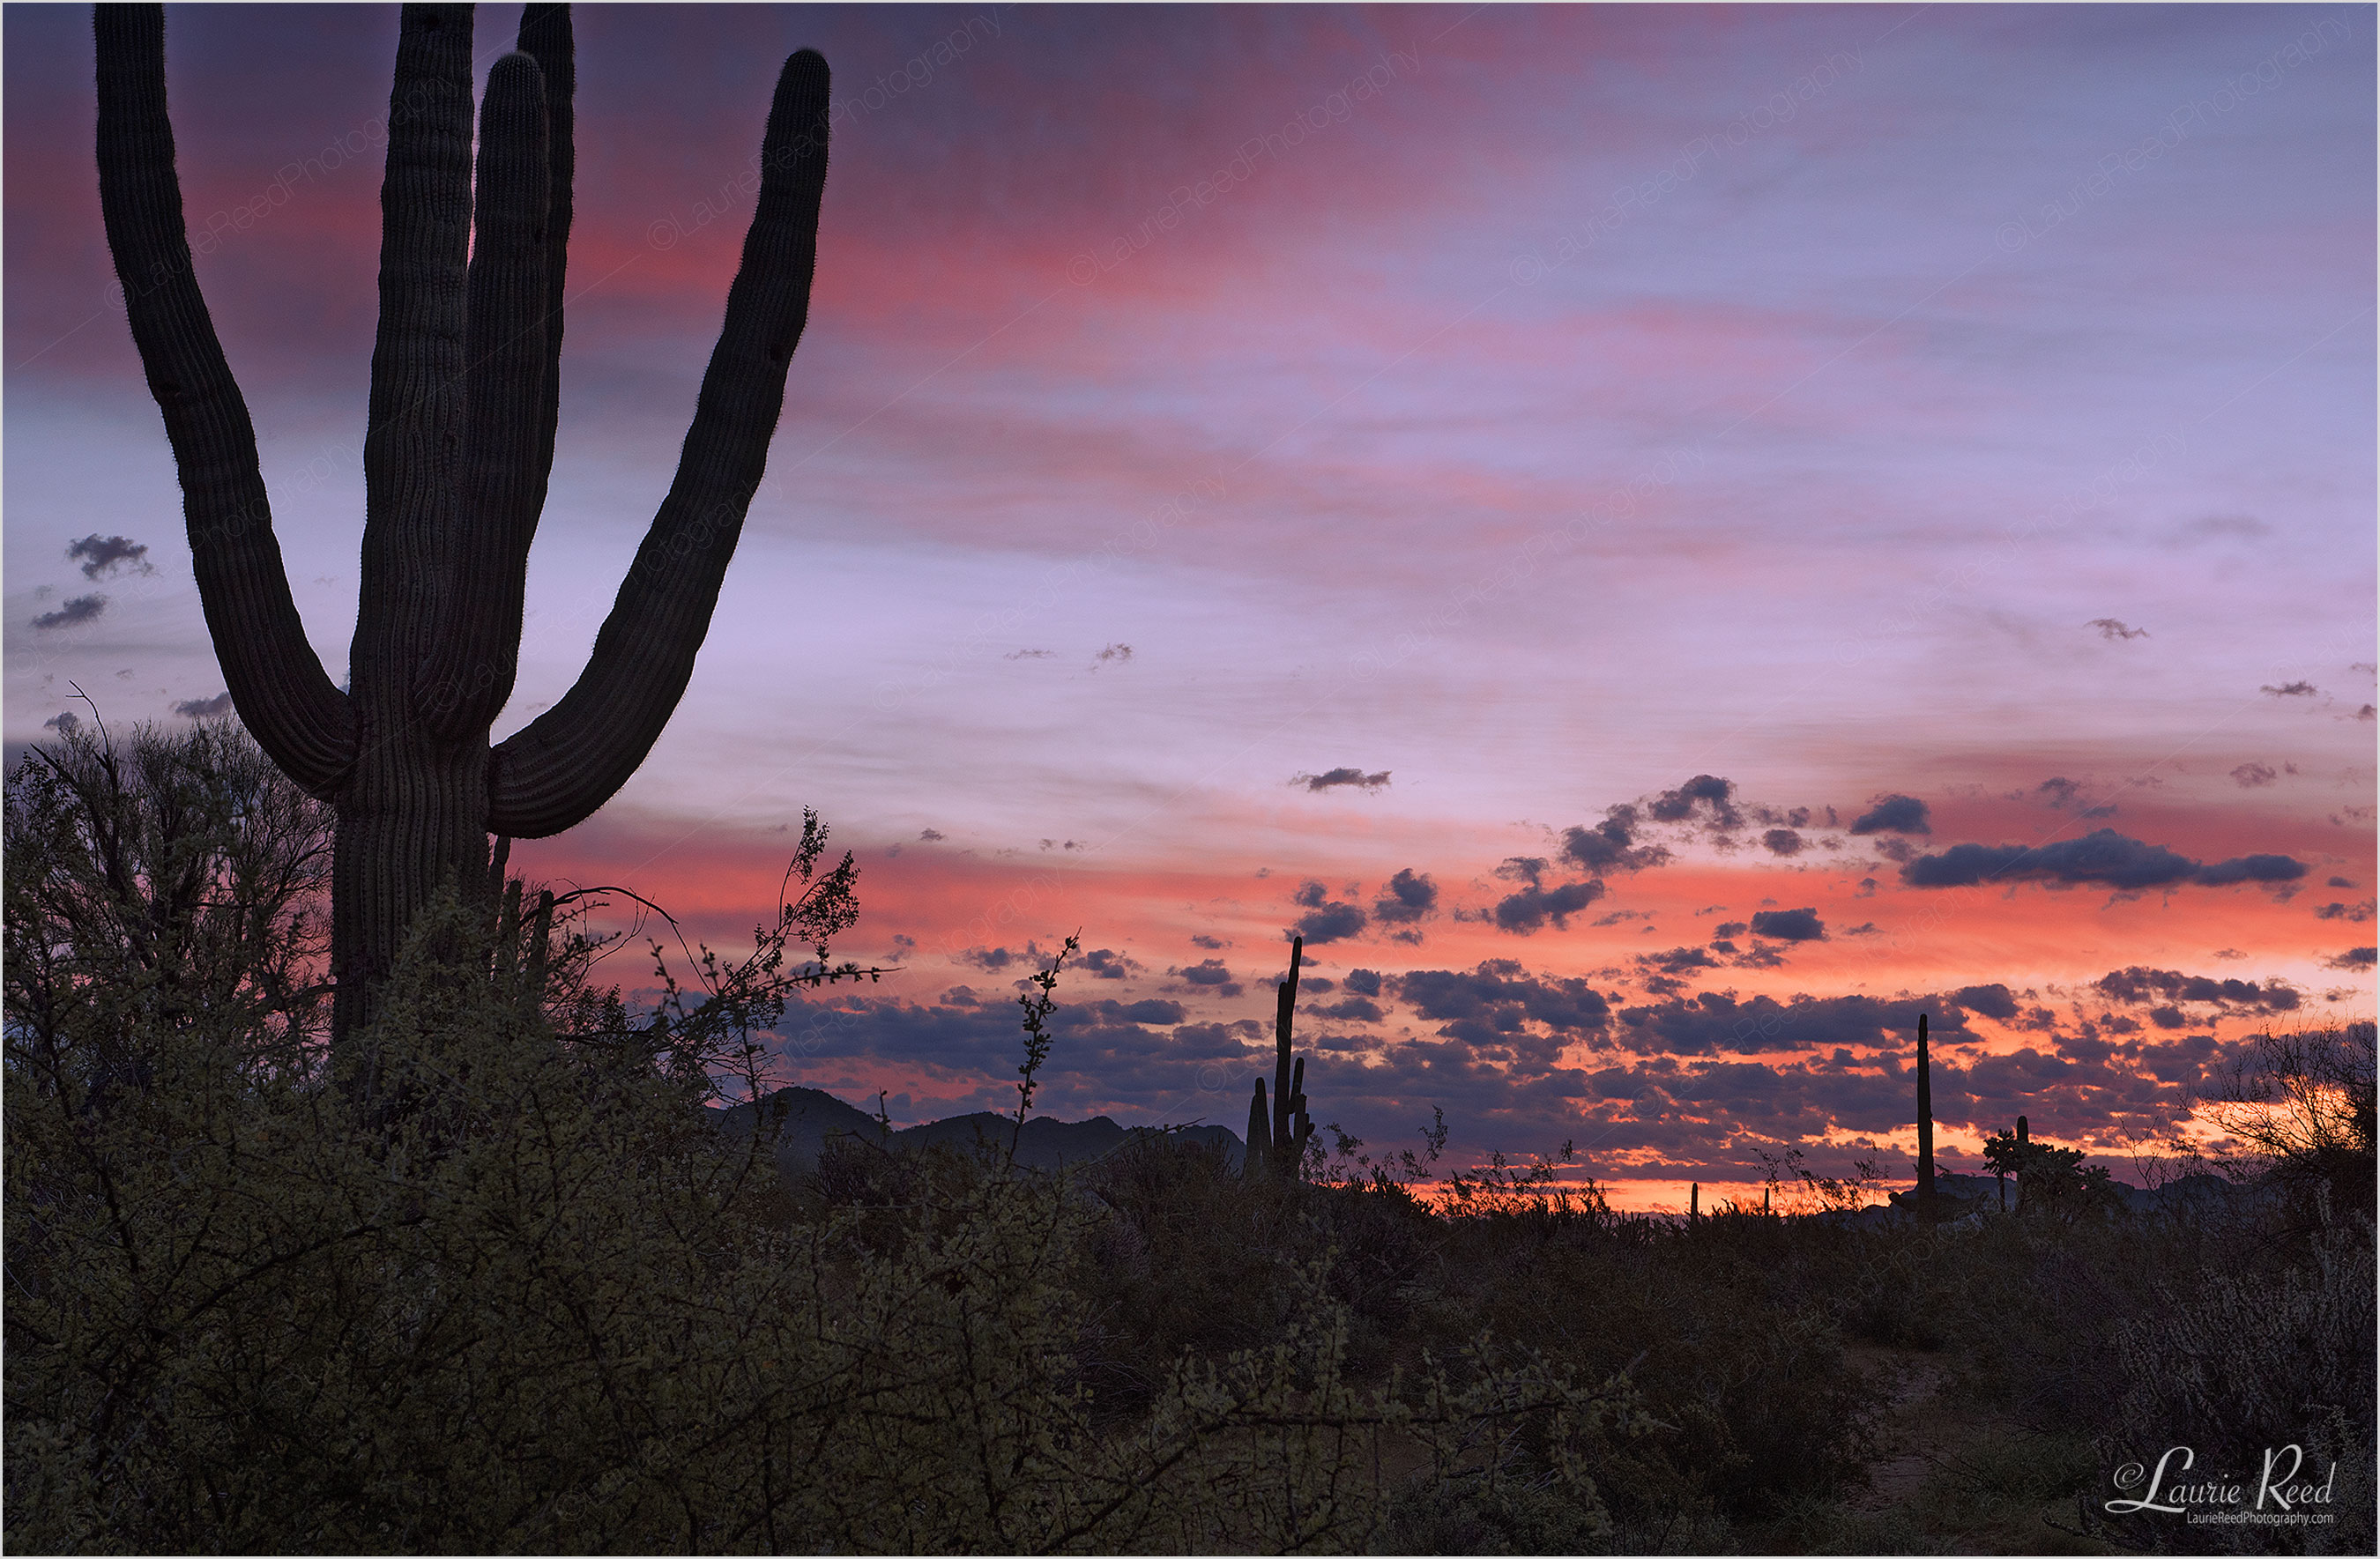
{"points": [[1924, 1124], [1277, 1139], [458, 448]]}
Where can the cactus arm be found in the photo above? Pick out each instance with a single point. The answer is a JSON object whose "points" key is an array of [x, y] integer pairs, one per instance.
{"points": [[1301, 1124], [414, 424], [276, 680], [475, 655], [545, 37], [1259, 1135], [472, 672], [561, 768]]}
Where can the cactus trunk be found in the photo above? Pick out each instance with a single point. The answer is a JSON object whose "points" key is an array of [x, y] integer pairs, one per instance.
{"points": [[458, 453], [1291, 1130], [1924, 1124], [2023, 1141]]}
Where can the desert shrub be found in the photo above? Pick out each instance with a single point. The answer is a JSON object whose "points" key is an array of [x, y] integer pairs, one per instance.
{"points": [[1735, 1349], [176, 883], [2300, 1106], [1466, 1515], [2236, 1359], [545, 1305]]}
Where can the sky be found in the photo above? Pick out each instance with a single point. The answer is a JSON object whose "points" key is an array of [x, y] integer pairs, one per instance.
{"points": [[1667, 541]]}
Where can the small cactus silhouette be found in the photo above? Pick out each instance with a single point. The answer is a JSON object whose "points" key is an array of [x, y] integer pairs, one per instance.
{"points": [[1924, 1125], [1278, 1142], [2006, 1153]]}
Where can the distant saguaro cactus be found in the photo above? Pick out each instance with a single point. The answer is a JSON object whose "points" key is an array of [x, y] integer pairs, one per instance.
{"points": [[1278, 1142], [457, 451], [2004, 1154], [1924, 1125]]}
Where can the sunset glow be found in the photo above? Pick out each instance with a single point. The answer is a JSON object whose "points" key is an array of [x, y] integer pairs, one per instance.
{"points": [[1665, 541]]}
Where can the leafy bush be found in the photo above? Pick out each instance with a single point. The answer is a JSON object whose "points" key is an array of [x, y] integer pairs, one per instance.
{"points": [[521, 1292]]}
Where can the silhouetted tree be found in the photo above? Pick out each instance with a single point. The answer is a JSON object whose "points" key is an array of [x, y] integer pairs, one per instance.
{"points": [[2302, 1105], [457, 451], [174, 884]]}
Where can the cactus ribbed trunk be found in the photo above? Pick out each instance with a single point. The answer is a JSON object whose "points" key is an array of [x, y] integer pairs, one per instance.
{"points": [[1291, 1128], [458, 449], [408, 821], [1924, 1124]]}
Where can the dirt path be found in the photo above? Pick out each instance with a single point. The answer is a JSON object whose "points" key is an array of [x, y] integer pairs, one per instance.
{"points": [[1911, 1430], [1956, 1469]]}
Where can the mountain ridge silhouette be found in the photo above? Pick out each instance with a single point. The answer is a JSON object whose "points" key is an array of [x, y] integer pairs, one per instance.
{"points": [[808, 1117]]}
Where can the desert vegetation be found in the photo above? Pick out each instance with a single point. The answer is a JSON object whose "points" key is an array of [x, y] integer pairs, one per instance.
{"points": [[348, 1209], [545, 1301]]}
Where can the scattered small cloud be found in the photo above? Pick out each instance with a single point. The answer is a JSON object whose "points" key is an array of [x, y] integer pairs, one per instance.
{"points": [[2354, 914], [1030, 655], [1337, 779], [74, 613], [2059, 793], [1210, 943], [1790, 925], [1326, 919], [1407, 897], [2342, 882], [1703, 789], [2354, 958], [66, 722], [2138, 986], [1121, 654], [2220, 527], [1986, 1001], [1525, 912], [2290, 690], [2101, 856], [2109, 628], [1106, 963], [106, 556], [1783, 842], [929, 836], [2251, 774], [1611, 845], [1893, 813], [204, 708], [1209, 972]]}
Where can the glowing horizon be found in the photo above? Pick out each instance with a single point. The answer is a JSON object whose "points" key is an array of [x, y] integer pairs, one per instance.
{"points": [[1245, 449]]}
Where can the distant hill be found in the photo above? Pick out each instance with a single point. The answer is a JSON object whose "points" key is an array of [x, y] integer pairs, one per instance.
{"points": [[1982, 1192], [809, 1115]]}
